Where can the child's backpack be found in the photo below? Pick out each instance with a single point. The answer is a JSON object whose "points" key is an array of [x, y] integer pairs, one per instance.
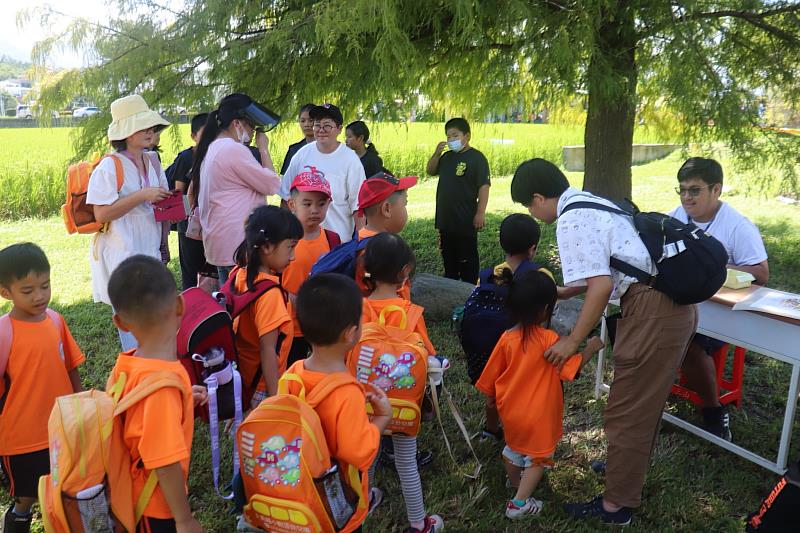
{"points": [[291, 483], [485, 318], [207, 349], [691, 263], [778, 512], [395, 360], [6, 338], [332, 237], [77, 214], [342, 259], [90, 487]]}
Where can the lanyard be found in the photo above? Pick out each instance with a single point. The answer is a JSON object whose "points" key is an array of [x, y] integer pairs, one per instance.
{"points": [[144, 179]]}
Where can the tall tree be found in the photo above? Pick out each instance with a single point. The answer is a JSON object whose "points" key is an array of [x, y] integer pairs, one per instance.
{"points": [[706, 63]]}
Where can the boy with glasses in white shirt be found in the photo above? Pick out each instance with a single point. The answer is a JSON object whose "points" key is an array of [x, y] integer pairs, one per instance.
{"points": [[700, 186]]}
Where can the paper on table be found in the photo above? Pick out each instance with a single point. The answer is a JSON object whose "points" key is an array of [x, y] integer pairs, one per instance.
{"points": [[773, 302]]}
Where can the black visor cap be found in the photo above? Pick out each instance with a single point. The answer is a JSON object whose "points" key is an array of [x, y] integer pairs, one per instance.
{"points": [[261, 117]]}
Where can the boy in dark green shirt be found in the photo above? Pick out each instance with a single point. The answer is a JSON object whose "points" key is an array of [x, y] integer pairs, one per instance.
{"points": [[461, 197]]}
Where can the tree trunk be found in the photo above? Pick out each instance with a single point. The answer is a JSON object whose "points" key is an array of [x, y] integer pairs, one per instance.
{"points": [[612, 105]]}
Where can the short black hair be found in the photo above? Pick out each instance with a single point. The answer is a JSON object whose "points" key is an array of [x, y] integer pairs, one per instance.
{"points": [[531, 299], [537, 176], [19, 260], [142, 290], [708, 170], [458, 123], [198, 122], [518, 232], [385, 257], [119, 146], [326, 306]]}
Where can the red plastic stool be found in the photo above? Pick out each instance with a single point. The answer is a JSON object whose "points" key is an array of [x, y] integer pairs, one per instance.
{"points": [[730, 389]]}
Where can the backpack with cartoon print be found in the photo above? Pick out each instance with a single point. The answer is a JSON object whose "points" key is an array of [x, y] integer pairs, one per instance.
{"points": [[394, 359], [291, 483]]}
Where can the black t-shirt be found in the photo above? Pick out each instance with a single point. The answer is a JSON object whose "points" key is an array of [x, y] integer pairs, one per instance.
{"points": [[372, 163], [293, 148], [180, 170], [461, 175]]}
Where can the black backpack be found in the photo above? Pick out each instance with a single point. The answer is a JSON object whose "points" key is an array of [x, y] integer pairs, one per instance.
{"points": [[485, 319], [779, 510], [691, 264]]}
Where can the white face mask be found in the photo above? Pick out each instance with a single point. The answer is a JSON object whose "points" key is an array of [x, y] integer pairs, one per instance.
{"points": [[243, 136], [455, 145]]}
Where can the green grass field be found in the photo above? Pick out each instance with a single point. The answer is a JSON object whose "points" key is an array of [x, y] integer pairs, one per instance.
{"points": [[692, 485]]}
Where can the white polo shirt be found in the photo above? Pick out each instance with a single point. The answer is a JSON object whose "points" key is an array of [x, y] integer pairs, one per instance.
{"points": [[738, 235], [588, 238]]}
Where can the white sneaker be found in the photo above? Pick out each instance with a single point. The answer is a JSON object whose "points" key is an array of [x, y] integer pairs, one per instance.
{"points": [[532, 507], [375, 499]]}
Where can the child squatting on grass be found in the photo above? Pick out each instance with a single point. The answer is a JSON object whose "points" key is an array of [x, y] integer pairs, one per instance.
{"points": [[527, 390]]}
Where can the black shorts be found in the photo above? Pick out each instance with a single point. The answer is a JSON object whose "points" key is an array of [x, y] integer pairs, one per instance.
{"points": [[156, 525], [708, 344], [24, 471]]}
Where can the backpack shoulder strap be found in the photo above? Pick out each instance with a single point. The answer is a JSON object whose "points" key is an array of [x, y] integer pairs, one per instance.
{"points": [[333, 238], [329, 383], [118, 170], [55, 318], [595, 205], [155, 161], [152, 383], [413, 316], [6, 335], [237, 302]]}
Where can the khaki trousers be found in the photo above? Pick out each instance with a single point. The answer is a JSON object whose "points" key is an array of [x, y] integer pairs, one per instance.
{"points": [[651, 341]]}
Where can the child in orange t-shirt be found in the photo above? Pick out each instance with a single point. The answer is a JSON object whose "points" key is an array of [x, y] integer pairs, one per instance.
{"points": [[309, 201], [39, 362], [329, 311], [527, 390], [157, 430], [383, 199], [388, 262], [264, 330]]}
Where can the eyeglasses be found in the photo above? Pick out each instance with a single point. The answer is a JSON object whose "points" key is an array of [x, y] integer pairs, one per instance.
{"points": [[324, 127], [691, 192]]}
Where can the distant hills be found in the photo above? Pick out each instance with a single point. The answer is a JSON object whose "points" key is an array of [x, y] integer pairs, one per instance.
{"points": [[11, 68]]}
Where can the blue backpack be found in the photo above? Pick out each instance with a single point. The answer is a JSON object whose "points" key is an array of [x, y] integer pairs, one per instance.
{"points": [[485, 319], [342, 259]]}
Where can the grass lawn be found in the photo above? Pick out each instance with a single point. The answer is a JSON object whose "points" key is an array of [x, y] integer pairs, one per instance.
{"points": [[692, 485]]}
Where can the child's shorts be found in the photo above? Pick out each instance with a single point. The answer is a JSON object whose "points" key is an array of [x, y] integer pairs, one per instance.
{"points": [[156, 525], [24, 471], [525, 461]]}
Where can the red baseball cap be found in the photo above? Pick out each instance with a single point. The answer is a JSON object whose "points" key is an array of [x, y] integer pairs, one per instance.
{"points": [[311, 180], [381, 186]]}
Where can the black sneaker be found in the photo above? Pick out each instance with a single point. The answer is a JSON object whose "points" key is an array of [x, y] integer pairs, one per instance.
{"points": [[716, 421], [13, 523], [594, 509], [424, 458]]}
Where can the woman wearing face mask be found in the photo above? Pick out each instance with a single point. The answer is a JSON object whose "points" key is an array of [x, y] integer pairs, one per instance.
{"points": [[227, 181]]}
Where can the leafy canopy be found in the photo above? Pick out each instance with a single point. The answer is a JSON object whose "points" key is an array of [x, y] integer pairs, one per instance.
{"points": [[698, 62]]}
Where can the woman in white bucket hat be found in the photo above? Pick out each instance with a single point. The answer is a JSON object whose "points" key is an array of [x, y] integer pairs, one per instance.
{"points": [[132, 228]]}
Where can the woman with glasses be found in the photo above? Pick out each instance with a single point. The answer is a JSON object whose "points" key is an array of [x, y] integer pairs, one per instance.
{"points": [[227, 182], [340, 166], [122, 190], [699, 188]]}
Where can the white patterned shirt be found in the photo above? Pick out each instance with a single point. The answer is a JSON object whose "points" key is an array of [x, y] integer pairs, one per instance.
{"points": [[588, 238]]}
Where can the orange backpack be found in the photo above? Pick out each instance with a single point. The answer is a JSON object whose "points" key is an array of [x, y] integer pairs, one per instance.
{"points": [[77, 214], [395, 360], [90, 487], [291, 483]]}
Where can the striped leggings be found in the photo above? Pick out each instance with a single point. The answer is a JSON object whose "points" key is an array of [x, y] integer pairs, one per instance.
{"points": [[405, 460]]}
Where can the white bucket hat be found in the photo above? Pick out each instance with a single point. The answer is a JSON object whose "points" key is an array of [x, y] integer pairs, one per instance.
{"points": [[131, 114]]}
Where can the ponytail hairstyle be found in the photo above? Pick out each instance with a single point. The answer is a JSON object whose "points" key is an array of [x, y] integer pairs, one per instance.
{"points": [[268, 224], [385, 257], [531, 299], [360, 129], [220, 119]]}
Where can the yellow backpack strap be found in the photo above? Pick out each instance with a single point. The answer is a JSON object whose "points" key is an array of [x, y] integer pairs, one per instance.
{"points": [[328, 384], [413, 316], [390, 309], [144, 498], [283, 385]]}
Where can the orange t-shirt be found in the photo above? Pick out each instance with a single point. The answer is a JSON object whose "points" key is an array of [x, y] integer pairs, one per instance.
{"points": [[372, 310], [266, 314], [528, 390], [351, 437], [39, 360], [306, 254], [403, 292], [157, 430]]}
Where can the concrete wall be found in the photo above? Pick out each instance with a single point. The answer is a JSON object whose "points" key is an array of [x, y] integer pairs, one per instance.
{"points": [[575, 156]]}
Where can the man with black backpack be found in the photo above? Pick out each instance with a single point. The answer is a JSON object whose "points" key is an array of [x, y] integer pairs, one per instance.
{"points": [[651, 338]]}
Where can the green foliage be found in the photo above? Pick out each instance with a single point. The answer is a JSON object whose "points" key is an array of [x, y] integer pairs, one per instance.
{"points": [[11, 68]]}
